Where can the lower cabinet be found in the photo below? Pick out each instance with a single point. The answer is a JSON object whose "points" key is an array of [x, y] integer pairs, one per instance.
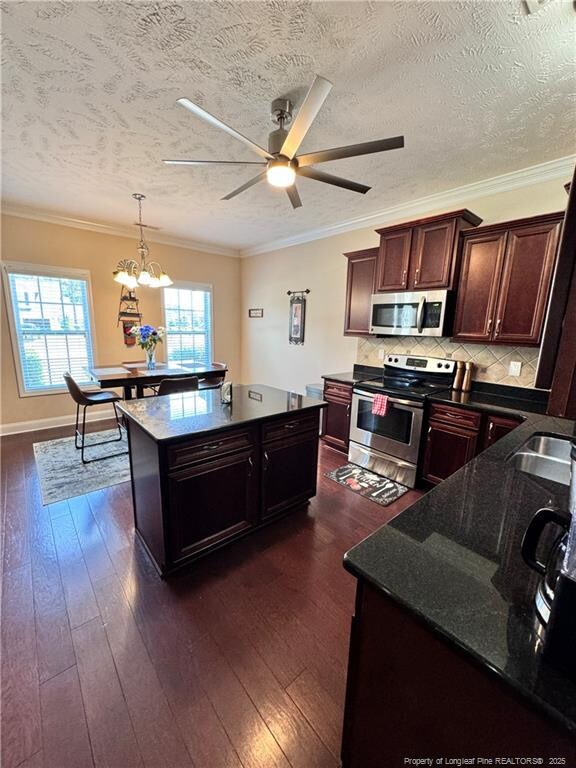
{"points": [[212, 501], [456, 435], [336, 417], [288, 472]]}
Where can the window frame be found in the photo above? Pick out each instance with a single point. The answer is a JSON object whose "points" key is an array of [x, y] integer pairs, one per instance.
{"points": [[190, 286], [42, 270]]}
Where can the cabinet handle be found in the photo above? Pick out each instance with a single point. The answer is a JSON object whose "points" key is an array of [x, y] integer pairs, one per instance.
{"points": [[417, 276], [429, 432], [491, 430], [348, 410], [452, 415], [289, 426], [250, 465], [404, 277], [489, 329], [498, 324], [211, 446], [266, 460]]}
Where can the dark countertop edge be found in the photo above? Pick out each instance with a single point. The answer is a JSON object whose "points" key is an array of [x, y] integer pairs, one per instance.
{"points": [[506, 406], [358, 373], [533, 699], [319, 404]]}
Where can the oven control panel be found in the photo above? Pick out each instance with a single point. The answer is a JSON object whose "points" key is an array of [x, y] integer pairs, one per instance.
{"points": [[413, 363]]}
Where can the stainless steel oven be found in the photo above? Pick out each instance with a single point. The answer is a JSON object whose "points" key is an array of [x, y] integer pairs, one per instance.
{"points": [[420, 313], [389, 444]]}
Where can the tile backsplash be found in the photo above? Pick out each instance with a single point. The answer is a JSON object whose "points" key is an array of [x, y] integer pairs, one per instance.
{"points": [[492, 361]]}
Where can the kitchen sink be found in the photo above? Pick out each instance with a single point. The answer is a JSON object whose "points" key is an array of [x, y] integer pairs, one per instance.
{"points": [[544, 456]]}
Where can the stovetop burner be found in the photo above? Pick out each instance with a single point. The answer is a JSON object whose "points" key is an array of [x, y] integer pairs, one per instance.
{"points": [[412, 377]]}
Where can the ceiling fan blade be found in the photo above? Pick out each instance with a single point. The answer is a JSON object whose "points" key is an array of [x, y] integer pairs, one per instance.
{"points": [[294, 196], [327, 178], [199, 112], [212, 162], [245, 186], [352, 150], [311, 105]]}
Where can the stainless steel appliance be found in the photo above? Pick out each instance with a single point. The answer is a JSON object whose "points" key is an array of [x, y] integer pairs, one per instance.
{"points": [[418, 313], [389, 445]]}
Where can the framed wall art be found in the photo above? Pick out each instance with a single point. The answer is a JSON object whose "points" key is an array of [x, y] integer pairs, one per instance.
{"points": [[297, 316]]}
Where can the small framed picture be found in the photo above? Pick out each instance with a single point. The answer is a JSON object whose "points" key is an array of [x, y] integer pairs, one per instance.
{"points": [[258, 312], [297, 319]]}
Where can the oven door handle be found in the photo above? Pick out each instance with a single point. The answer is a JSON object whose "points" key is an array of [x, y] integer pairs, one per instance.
{"points": [[420, 314], [395, 401]]}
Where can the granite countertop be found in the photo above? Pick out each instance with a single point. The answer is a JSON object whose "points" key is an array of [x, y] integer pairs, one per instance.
{"points": [[453, 559], [360, 373], [187, 413], [496, 398]]}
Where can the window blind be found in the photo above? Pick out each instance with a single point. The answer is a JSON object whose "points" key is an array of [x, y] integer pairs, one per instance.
{"points": [[52, 328], [188, 321]]}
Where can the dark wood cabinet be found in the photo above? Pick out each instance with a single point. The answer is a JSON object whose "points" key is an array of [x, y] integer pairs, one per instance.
{"points": [[336, 417], [505, 281], [288, 472], [423, 254], [200, 492], [212, 501], [410, 691], [448, 447], [359, 289], [496, 427], [456, 435], [482, 256], [393, 260]]}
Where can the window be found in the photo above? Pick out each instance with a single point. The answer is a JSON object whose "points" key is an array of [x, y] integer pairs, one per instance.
{"points": [[188, 320], [50, 325]]}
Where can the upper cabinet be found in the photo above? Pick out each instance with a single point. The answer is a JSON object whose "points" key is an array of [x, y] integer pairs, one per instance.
{"points": [[505, 280], [421, 254], [359, 288]]}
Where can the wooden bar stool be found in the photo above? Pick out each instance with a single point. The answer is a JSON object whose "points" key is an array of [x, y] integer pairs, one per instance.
{"points": [[86, 399]]}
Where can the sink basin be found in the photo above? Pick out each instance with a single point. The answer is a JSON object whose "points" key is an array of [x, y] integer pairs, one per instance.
{"points": [[544, 456]]}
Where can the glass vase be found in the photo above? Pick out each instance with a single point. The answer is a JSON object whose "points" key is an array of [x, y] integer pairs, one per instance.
{"points": [[151, 358]]}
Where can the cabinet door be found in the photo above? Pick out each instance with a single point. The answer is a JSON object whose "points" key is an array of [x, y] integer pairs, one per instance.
{"points": [[528, 265], [359, 289], [289, 470], [447, 449], [482, 260], [497, 427], [336, 423], [211, 501], [432, 253], [393, 260]]}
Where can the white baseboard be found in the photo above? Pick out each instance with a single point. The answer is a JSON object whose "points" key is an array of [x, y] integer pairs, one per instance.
{"points": [[54, 421]]}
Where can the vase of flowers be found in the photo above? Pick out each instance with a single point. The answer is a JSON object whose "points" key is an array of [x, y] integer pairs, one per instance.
{"points": [[147, 337]]}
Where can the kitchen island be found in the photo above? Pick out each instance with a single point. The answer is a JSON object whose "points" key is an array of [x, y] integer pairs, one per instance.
{"points": [[446, 650], [206, 473]]}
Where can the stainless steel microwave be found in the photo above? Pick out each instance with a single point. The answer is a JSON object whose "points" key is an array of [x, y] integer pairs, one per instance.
{"points": [[418, 313]]}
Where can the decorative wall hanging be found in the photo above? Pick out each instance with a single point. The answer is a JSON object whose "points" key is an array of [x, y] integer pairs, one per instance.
{"points": [[131, 273], [297, 316], [259, 312], [128, 314]]}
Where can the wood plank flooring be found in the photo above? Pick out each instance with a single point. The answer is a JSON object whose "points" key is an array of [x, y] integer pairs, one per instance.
{"points": [[239, 662]]}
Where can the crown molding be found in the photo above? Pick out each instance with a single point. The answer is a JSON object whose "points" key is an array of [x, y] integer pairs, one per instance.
{"points": [[562, 168], [52, 217]]}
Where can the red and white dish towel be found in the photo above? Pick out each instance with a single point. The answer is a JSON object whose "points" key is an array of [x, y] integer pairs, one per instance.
{"points": [[380, 405]]}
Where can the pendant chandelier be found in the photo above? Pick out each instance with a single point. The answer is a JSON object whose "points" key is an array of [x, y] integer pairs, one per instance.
{"points": [[142, 272]]}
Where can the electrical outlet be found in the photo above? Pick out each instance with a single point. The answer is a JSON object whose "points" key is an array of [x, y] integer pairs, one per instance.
{"points": [[515, 368], [380, 354]]}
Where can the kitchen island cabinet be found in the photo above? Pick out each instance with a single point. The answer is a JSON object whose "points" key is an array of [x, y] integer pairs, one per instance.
{"points": [[206, 473]]}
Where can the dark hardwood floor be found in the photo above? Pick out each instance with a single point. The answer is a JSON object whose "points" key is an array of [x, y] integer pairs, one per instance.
{"points": [[239, 662]]}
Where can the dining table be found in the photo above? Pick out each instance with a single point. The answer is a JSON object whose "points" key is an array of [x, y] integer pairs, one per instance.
{"points": [[136, 376]]}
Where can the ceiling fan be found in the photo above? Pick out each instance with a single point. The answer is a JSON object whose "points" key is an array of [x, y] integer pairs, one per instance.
{"points": [[280, 160]]}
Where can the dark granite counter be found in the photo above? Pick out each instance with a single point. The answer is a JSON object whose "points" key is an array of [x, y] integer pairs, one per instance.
{"points": [[183, 414], [360, 373], [496, 398], [453, 559]]}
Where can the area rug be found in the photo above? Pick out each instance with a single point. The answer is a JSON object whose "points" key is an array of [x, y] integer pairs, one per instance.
{"points": [[380, 489], [62, 474]]}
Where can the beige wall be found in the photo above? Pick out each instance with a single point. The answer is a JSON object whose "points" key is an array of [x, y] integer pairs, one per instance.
{"points": [[266, 355], [42, 243]]}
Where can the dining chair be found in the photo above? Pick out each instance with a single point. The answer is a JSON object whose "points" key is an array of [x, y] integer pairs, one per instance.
{"points": [[171, 385], [86, 400], [214, 381]]}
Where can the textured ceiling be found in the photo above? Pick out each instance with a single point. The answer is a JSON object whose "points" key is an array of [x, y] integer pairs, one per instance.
{"points": [[89, 88]]}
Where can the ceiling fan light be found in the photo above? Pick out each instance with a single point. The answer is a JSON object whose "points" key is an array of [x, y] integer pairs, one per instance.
{"points": [[154, 282], [280, 173], [120, 276], [165, 280], [131, 282]]}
